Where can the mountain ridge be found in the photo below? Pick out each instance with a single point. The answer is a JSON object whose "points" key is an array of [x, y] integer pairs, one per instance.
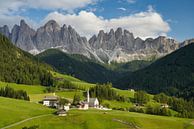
{"points": [[114, 46]]}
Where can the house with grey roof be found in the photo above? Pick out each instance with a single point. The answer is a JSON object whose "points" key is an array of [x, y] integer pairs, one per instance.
{"points": [[50, 101]]}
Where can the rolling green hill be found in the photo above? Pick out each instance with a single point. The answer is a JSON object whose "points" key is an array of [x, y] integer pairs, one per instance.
{"points": [[172, 74], [13, 110], [20, 67], [96, 119]]}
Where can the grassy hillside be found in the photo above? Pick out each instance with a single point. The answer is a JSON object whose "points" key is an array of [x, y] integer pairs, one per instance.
{"points": [[172, 74], [20, 67], [78, 83], [30, 89], [110, 120], [13, 110]]}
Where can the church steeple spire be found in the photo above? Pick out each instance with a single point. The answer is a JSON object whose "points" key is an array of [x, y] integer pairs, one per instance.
{"points": [[88, 96]]}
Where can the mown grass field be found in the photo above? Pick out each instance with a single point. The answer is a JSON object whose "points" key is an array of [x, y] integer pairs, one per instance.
{"points": [[70, 94], [66, 77], [96, 119], [30, 89], [117, 104], [78, 83], [13, 110]]}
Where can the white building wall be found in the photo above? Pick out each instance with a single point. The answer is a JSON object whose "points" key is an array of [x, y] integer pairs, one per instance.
{"points": [[46, 103]]}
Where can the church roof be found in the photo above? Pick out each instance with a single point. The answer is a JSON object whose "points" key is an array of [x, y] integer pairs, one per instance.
{"points": [[92, 100]]}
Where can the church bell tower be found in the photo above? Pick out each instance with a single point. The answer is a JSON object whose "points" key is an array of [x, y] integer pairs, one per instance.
{"points": [[88, 96]]}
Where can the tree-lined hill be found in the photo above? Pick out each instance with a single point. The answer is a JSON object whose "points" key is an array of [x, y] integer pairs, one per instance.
{"points": [[78, 66], [172, 74], [87, 69], [20, 67]]}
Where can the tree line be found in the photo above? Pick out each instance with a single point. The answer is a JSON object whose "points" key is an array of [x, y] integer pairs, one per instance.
{"points": [[11, 93], [105, 91], [185, 108]]}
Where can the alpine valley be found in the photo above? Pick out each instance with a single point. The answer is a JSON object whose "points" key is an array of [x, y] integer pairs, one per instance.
{"points": [[53, 78]]}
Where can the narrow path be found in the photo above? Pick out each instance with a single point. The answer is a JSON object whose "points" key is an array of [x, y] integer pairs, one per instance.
{"points": [[17, 123]]}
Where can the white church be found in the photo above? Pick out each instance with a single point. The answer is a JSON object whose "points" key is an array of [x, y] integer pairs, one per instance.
{"points": [[90, 102]]}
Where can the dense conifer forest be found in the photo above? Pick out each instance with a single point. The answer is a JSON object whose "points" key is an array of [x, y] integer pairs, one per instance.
{"points": [[20, 67]]}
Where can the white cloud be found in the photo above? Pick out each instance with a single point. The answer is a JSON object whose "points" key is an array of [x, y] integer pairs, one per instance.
{"points": [[128, 1], [15, 5], [131, 1], [10, 10], [142, 24], [122, 9]]}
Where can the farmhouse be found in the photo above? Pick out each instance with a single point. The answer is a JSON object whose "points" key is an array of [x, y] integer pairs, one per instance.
{"points": [[50, 101]]}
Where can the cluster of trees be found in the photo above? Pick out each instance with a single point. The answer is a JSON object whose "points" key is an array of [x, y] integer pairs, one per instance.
{"points": [[63, 102], [20, 67], [11, 93], [76, 99], [66, 85], [154, 110], [158, 110], [105, 91], [141, 97], [185, 108]]}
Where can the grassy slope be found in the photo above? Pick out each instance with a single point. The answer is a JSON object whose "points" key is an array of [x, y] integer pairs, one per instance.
{"points": [[12, 110], [30, 89], [109, 120], [80, 119], [79, 83]]}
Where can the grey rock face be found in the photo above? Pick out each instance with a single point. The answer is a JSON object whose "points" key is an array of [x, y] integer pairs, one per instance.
{"points": [[51, 35], [118, 46], [24, 37], [121, 46], [5, 31]]}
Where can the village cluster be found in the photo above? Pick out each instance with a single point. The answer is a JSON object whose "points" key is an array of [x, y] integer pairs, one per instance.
{"points": [[53, 101]]}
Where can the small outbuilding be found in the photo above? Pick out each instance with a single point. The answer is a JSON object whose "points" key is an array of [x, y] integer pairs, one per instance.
{"points": [[83, 106]]}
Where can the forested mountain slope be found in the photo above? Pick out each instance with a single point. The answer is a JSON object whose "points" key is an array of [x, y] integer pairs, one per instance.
{"points": [[21, 67], [173, 74]]}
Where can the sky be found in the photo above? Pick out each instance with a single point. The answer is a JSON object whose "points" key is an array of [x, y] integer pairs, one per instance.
{"points": [[144, 18]]}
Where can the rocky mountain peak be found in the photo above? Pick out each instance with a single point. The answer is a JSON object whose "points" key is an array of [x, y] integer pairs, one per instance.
{"points": [[111, 32], [23, 23], [52, 25], [116, 45], [5, 30]]}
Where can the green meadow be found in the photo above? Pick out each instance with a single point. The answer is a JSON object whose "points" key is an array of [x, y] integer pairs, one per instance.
{"points": [[13, 110], [96, 119], [30, 89]]}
